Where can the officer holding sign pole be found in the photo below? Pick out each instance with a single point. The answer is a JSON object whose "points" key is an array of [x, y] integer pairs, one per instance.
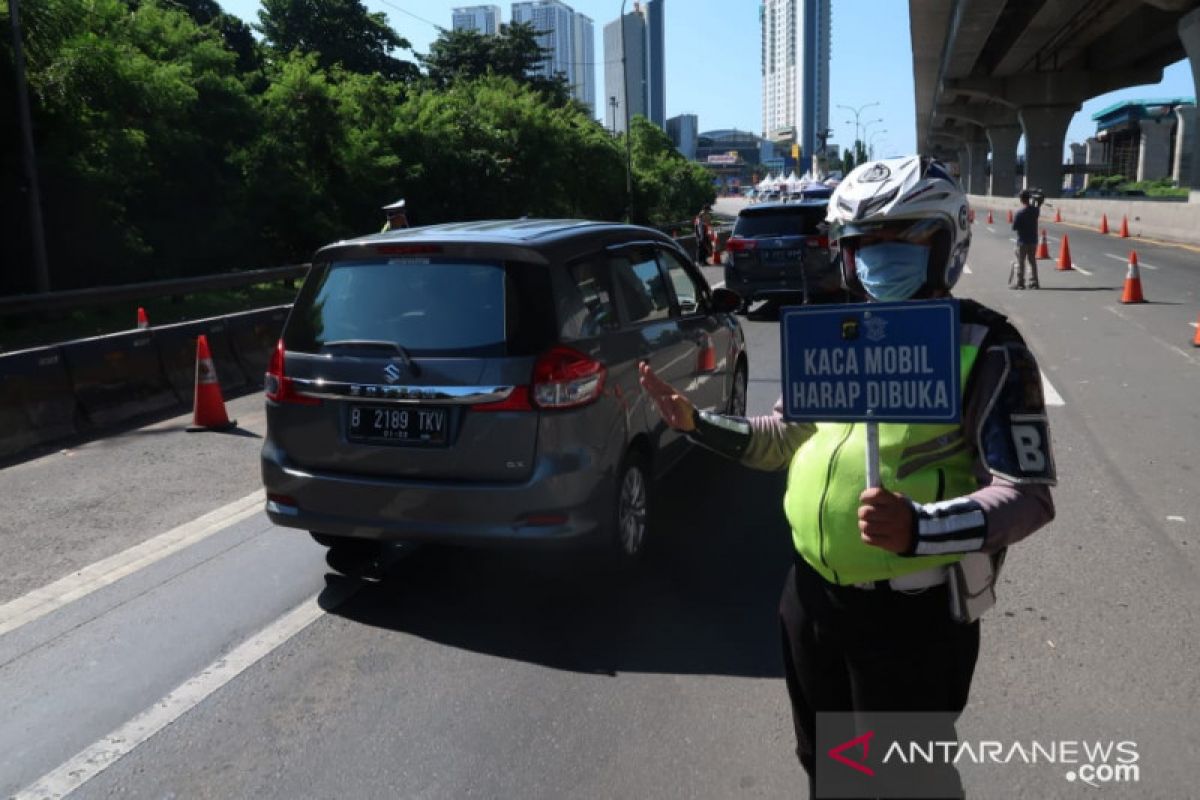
{"points": [[917, 448]]}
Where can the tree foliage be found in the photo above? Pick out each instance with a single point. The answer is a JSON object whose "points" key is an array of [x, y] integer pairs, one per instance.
{"points": [[169, 142]]}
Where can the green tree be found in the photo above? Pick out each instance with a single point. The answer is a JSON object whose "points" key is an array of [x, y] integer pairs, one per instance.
{"points": [[667, 187], [513, 53], [341, 32], [492, 147]]}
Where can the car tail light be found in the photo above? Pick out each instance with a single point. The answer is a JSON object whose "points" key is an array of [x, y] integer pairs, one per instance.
{"points": [[737, 244], [518, 400], [566, 378], [562, 378], [279, 386], [818, 241]]}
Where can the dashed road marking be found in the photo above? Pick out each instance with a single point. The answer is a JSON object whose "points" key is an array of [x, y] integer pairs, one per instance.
{"points": [[102, 754], [42, 601], [1125, 259], [1078, 268]]}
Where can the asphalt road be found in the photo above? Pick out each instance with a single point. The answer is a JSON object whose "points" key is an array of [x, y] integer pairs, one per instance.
{"points": [[217, 656]]}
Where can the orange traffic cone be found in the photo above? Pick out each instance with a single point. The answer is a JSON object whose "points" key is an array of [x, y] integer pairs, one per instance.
{"points": [[143, 320], [1057, 215], [1043, 250], [1196, 338], [209, 409], [1104, 223], [990, 221], [1124, 227], [1010, 215], [1133, 282], [1064, 255]]}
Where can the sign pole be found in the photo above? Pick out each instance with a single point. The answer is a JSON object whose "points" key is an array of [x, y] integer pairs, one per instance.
{"points": [[872, 455]]}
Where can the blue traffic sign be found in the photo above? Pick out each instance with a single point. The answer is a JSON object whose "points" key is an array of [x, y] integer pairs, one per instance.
{"points": [[872, 362]]}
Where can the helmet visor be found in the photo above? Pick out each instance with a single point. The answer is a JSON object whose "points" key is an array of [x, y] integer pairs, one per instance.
{"points": [[863, 234]]}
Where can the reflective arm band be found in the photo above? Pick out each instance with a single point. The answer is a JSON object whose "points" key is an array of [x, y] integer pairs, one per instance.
{"points": [[726, 436], [950, 526]]}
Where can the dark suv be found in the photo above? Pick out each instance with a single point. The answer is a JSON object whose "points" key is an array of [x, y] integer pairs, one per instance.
{"points": [[477, 383], [780, 250]]}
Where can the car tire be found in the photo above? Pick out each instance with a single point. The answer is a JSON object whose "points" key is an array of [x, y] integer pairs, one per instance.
{"points": [[630, 508], [736, 406]]}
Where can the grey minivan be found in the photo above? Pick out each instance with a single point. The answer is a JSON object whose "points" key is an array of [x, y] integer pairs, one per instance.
{"points": [[476, 383]]}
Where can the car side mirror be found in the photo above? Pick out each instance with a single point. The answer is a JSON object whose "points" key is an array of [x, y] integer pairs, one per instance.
{"points": [[726, 301]]}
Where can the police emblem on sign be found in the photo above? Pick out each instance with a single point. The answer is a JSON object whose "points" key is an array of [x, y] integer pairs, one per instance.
{"points": [[877, 173]]}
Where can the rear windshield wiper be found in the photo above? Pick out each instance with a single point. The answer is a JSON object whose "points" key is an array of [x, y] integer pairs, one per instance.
{"points": [[359, 344]]}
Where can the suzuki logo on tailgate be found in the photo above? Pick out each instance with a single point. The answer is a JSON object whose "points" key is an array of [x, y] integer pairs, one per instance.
{"points": [[391, 372]]}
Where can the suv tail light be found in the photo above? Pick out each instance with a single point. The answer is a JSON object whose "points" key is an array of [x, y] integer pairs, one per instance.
{"points": [[566, 378], [279, 386], [818, 241], [562, 378], [737, 244]]}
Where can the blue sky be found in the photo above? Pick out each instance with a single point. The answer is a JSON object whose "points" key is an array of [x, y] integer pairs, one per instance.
{"points": [[712, 59]]}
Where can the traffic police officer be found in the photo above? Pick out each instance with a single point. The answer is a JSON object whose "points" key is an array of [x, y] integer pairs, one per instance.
{"points": [[865, 613], [397, 216]]}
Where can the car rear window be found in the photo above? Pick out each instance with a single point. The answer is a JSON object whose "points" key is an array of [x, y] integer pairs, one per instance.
{"points": [[429, 306], [795, 221]]}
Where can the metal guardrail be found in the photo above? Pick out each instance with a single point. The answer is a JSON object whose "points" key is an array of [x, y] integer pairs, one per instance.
{"points": [[80, 298]]}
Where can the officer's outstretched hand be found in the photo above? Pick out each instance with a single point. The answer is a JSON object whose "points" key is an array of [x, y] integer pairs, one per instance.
{"points": [[885, 519], [676, 409]]}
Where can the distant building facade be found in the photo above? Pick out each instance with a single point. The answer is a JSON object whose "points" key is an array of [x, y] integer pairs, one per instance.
{"points": [[483, 19], [796, 37], [640, 62], [1143, 140], [684, 131], [568, 37]]}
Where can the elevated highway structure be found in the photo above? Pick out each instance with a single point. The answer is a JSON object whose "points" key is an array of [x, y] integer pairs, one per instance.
{"points": [[987, 72]]}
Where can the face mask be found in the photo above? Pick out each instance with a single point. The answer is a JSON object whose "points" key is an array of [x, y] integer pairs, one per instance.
{"points": [[891, 271]]}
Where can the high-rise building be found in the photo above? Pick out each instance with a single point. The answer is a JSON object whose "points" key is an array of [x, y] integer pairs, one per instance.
{"points": [[657, 66], [484, 19], [568, 37], [684, 131], [640, 61], [795, 71]]}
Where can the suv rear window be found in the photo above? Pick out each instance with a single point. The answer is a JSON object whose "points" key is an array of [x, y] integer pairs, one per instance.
{"points": [[794, 221], [446, 307]]}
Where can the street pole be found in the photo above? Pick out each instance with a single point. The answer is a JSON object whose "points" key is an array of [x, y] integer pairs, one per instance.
{"points": [[628, 137], [36, 226], [857, 112]]}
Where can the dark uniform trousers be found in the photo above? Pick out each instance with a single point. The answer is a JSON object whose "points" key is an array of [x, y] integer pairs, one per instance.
{"points": [[849, 649]]}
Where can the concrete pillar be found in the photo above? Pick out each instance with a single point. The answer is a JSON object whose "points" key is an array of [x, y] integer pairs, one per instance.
{"points": [[1003, 140], [1154, 149], [1094, 157], [977, 153], [1185, 143], [1189, 34], [1045, 131], [1078, 158]]}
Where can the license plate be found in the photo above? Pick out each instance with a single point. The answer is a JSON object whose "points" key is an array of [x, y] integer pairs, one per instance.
{"points": [[775, 256], [398, 424]]}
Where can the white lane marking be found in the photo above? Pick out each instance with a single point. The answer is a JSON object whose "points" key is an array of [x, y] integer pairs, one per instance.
{"points": [[1050, 394], [1194, 324], [1174, 518], [967, 269], [102, 754], [1078, 268], [1125, 260], [42, 601], [718, 285]]}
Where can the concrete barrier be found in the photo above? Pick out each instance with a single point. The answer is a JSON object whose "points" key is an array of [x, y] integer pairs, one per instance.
{"points": [[118, 377], [254, 335], [176, 345], [36, 401], [1153, 219]]}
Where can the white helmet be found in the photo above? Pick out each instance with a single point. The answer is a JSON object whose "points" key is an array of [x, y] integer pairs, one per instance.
{"points": [[913, 200]]}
